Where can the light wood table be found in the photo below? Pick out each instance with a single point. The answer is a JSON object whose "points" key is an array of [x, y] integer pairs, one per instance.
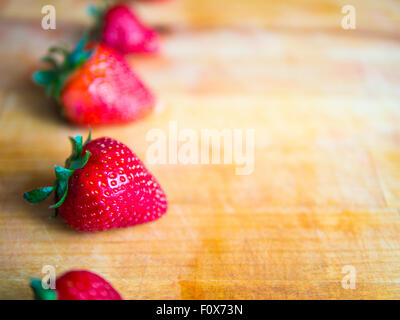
{"points": [[325, 191]]}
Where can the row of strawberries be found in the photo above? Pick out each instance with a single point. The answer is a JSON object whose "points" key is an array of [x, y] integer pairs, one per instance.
{"points": [[103, 184], [93, 84]]}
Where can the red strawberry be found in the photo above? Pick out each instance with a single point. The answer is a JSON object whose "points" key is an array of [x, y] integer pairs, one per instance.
{"points": [[96, 86], [103, 186], [76, 285], [122, 30]]}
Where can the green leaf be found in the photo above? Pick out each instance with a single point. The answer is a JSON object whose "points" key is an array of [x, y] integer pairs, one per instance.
{"points": [[55, 78], [80, 162], [63, 173], [49, 90], [74, 162], [41, 293], [62, 198], [63, 176], [50, 60], [58, 84], [44, 77], [89, 138], [62, 186], [82, 43], [76, 146], [60, 50], [81, 57], [38, 195], [93, 11]]}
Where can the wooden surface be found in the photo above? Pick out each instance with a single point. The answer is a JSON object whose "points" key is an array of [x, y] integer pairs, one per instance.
{"points": [[325, 192]]}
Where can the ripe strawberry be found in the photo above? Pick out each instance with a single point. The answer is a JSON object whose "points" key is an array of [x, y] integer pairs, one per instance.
{"points": [[95, 86], [103, 186], [120, 28], [76, 285]]}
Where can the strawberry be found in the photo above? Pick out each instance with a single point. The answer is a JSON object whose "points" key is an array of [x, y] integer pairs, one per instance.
{"points": [[119, 28], [104, 185], [76, 285], [95, 86]]}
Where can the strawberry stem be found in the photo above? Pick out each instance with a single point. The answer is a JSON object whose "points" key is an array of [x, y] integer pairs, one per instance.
{"points": [[98, 15], [74, 162], [53, 79]]}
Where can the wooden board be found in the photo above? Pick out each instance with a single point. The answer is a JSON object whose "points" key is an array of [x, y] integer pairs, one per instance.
{"points": [[325, 192]]}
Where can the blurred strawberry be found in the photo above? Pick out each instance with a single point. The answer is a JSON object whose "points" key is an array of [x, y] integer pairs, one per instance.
{"points": [[120, 28], [76, 285], [95, 86]]}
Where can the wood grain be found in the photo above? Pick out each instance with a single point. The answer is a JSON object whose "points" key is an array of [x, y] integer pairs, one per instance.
{"points": [[325, 192]]}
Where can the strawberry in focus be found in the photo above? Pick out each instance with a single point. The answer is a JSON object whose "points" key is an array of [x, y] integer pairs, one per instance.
{"points": [[95, 86], [76, 285], [104, 185], [120, 28]]}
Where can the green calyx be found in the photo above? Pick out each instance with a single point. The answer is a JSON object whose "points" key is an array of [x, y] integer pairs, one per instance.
{"points": [[53, 79], [75, 161], [41, 293], [97, 13]]}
